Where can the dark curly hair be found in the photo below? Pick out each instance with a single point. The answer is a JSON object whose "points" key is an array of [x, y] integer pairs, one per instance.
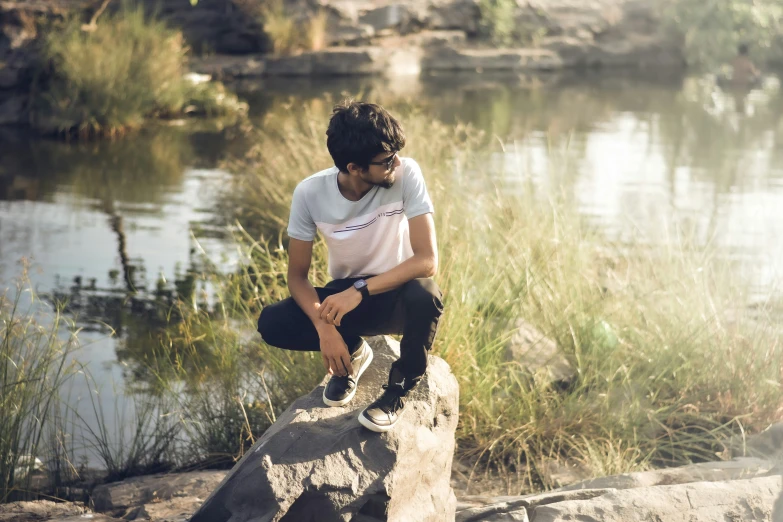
{"points": [[359, 131]]}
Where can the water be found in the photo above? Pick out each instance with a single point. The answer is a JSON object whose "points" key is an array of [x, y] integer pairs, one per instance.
{"points": [[642, 158]]}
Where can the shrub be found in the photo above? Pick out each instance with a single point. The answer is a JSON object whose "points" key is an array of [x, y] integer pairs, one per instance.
{"points": [[498, 20], [130, 67], [712, 30]]}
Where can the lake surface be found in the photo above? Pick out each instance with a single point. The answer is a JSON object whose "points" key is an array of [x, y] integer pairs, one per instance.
{"points": [[642, 158]]}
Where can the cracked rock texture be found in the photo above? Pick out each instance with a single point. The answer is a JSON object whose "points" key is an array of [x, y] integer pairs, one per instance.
{"points": [[318, 463]]}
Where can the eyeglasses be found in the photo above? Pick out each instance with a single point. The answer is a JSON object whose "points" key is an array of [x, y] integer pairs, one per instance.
{"points": [[388, 162]]}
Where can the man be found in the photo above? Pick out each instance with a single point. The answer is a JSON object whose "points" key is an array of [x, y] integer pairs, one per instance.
{"points": [[373, 210], [744, 72]]}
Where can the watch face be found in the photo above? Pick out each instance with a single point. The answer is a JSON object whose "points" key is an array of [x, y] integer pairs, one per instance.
{"points": [[360, 284]]}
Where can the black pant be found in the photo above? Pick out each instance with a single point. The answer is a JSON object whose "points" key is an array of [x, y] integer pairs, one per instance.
{"points": [[412, 310]]}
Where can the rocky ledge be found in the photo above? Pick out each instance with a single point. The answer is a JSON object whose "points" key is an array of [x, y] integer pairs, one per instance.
{"points": [[738, 490]]}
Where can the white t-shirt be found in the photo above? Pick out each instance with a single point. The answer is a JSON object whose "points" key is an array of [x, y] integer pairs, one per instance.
{"points": [[365, 237]]}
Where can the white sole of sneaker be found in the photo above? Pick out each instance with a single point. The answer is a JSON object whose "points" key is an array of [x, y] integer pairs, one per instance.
{"points": [[348, 399], [364, 421]]}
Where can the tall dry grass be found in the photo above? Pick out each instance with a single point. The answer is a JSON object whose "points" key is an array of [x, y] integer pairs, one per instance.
{"points": [[668, 360]]}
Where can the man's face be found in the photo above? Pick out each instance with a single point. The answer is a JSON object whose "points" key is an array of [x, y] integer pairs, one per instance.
{"points": [[382, 169]]}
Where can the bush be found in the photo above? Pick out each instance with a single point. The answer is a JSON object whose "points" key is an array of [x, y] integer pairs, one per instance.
{"points": [[498, 20], [128, 68], [713, 30]]}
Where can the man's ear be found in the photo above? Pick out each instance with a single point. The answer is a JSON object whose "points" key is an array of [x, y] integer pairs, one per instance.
{"points": [[354, 169]]}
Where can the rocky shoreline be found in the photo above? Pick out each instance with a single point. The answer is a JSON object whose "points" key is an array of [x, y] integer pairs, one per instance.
{"points": [[316, 463], [399, 39], [745, 488]]}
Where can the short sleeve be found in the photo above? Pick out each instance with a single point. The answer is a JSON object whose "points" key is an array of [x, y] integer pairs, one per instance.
{"points": [[300, 223], [415, 199]]}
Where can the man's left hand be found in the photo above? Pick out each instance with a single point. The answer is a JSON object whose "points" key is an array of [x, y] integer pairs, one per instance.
{"points": [[334, 307]]}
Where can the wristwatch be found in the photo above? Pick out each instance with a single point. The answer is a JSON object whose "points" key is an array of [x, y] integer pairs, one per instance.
{"points": [[361, 286]]}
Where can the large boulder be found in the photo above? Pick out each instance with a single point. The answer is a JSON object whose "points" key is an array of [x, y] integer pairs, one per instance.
{"points": [[319, 463]]}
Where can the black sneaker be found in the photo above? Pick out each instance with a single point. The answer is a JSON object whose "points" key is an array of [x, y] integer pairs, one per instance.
{"points": [[340, 390], [383, 414]]}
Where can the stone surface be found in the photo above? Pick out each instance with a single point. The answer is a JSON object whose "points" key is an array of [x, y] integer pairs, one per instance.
{"points": [[173, 510], [11, 110], [342, 61], [535, 352], [118, 497], [741, 468], [45, 510], [450, 58], [319, 463], [766, 445], [483, 507], [738, 500], [458, 14], [386, 17]]}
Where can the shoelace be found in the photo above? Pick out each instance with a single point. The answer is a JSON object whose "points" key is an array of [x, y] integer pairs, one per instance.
{"points": [[390, 402], [344, 379]]}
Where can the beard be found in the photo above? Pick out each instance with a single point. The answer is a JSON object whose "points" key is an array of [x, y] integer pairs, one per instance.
{"points": [[387, 182]]}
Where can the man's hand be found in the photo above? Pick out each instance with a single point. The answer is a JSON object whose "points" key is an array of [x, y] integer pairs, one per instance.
{"points": [[334, 307], [334, 352]]}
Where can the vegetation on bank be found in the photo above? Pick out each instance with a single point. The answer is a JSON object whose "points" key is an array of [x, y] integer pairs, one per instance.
{"points": [[668, 360], [34, 366], [712, 31], [126, 69]]}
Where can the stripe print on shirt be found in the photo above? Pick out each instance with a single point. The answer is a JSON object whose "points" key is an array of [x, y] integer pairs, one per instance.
{"points": [[368, 244], [365, 225]]}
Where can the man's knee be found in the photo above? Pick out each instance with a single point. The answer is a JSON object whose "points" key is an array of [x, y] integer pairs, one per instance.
{"points": [[266, 325], [423, 296]]}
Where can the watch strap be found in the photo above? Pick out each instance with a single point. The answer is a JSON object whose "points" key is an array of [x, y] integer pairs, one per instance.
{"points": [[364, 290]]}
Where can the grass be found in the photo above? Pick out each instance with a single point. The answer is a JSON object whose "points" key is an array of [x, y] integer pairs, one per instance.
{"points": [[107, 81], [668, 361], [288, 34], [34, 365]]}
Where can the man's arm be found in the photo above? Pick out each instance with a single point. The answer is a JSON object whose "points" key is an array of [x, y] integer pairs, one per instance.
{"points": [[423, 263], [335, 354]]}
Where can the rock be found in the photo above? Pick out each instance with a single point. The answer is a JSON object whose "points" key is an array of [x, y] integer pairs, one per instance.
{"points": [[751, 499], [134, 492], [86, 517], [221, 67], [12, 110], [516, 506], [349, 34], [319, 463], [346, 61], [39, 510], [386, 17], [449, 58], [174, 510], [457, 14], [535, 352], [9, 78], [766, 445], [741, 468]]}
